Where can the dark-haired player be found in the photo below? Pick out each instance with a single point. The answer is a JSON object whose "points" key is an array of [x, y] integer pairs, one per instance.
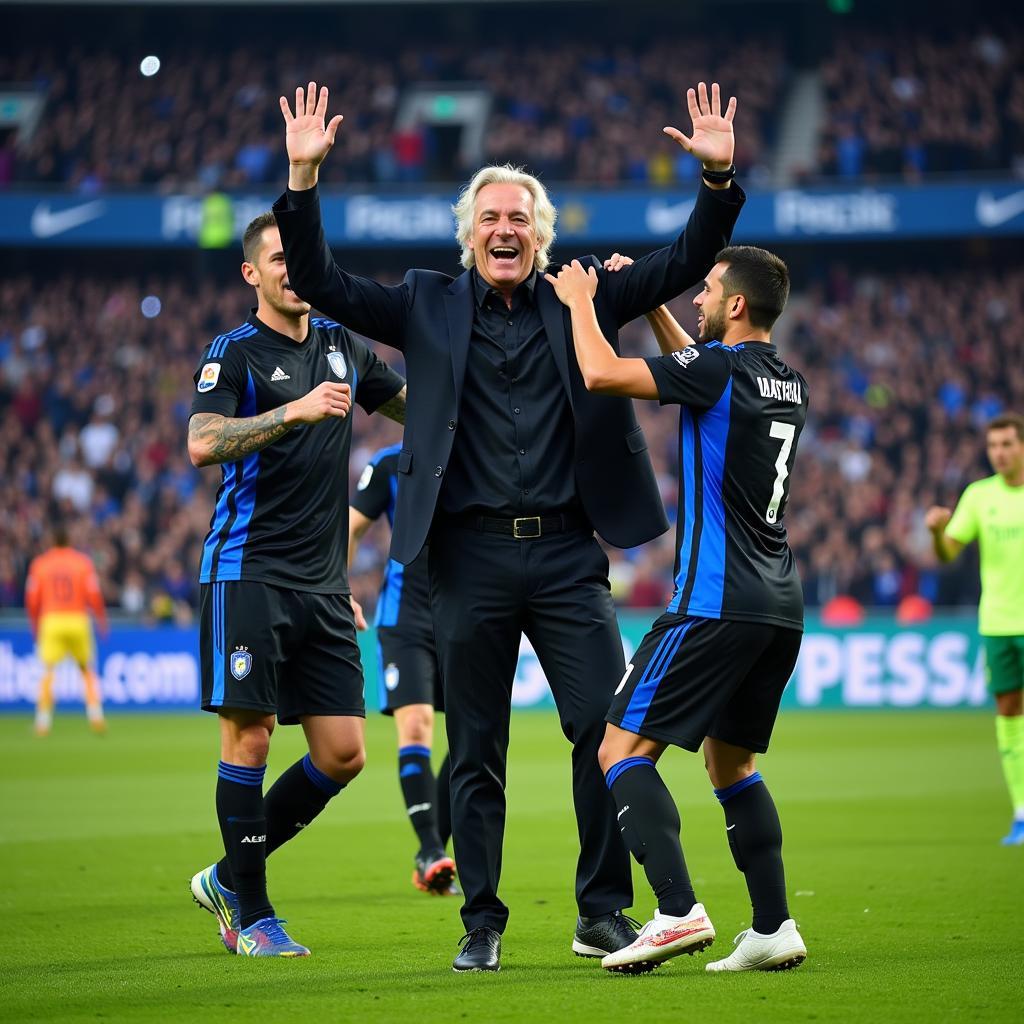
{"points": [[408, 677], [277, 635], [712, 669]]}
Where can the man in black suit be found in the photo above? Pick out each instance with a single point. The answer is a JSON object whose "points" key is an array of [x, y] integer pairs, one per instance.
{"points": [[510, 464]]}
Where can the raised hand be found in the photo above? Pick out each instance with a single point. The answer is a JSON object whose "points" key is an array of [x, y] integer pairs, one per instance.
{"points": [[307, 138], [711, 140], [616, 262], [574, 284]]}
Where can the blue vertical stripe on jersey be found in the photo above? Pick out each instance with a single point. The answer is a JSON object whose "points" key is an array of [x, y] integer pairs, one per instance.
{"points": [[389, 604], [229, 565], [220, 518], [686, 471], [640, 702], [229, 475], [709, 579], [217, 697]]}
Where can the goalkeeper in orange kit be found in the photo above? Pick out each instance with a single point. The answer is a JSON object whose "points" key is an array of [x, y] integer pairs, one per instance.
{"points": [[61, 589]]}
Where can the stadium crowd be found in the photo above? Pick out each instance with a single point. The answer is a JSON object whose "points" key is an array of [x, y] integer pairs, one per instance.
{"points": [[572, 111], [905, 104], [904, 371], [914, 104]]}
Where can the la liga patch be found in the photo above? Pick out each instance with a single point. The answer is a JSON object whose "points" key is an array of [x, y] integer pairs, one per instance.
{"points": [[208, 377]]}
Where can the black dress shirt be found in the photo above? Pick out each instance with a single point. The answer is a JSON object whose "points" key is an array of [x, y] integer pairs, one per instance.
{"points": [[513, 453]]}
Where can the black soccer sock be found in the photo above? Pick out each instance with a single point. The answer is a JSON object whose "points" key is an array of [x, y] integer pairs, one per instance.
{"points": [[293, 801], [243, 826], [444, 800], [420, 792], [755, 838], [649, 823]]}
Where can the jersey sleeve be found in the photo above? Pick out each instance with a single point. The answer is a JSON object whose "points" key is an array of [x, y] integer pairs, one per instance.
{"points": [[220, 383], [376, 382], [373, 491], [694, 376], [963, 527]]}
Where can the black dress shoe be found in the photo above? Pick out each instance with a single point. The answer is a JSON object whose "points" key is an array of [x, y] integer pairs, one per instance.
{"points": [[599, 936], [481, 951]]}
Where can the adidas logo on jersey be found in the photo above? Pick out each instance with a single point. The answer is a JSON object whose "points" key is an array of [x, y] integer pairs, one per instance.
{"points": [[279, 374]]}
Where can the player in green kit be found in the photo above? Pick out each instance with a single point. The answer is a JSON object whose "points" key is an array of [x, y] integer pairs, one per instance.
{"points": [[991, 511]]}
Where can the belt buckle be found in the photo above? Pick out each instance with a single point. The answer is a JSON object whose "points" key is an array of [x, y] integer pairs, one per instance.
{"points": [[523, 528]]}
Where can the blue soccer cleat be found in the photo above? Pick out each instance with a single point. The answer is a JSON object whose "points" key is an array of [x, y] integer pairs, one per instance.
{"points": [[222, 903], [1016, 834], [267, 938]]}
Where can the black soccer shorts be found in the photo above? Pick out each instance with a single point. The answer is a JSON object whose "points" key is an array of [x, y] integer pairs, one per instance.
{"points": [[692, 677], [407, 671], [280, 651]]}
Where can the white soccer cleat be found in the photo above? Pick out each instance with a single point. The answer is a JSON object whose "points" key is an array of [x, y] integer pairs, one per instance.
{"points": [[780, 951], [663, 938]]}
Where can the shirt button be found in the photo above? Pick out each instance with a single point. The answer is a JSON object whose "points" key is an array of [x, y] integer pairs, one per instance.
{"points": [[526, 491], [516, 410], [522, 451], [451, 424], [438, 471], [509, 322]]}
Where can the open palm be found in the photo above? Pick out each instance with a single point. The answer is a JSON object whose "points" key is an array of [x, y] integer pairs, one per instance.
{"points": [[307, 138], [712, 140]]}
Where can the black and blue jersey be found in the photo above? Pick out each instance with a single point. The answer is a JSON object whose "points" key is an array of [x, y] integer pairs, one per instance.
{"points": [[404, 600], [281, 515], [742, 412]]}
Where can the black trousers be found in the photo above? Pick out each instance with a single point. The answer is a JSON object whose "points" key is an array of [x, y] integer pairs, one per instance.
{"points": [[486, 590]]}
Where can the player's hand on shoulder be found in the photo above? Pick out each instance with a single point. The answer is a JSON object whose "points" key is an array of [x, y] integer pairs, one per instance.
{"points": [[574, 284], [327, 399], [616, 262], [937, 518]]}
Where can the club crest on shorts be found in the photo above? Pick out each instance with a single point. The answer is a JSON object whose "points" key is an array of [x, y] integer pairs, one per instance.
{"points": [[241, 663], [336, 360], [391, 676]]}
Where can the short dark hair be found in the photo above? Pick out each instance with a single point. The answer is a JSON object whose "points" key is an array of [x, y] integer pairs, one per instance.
{"points": [[760, 277], [1007, 419], [60, 535], [253, 237]]}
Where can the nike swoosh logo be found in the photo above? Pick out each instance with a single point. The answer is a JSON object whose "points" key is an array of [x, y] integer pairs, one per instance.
{"points": [[663, 218], [729, 828], [47, 223], [992, 212]]}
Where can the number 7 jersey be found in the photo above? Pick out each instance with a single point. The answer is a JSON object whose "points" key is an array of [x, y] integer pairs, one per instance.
{"points": [[742, 412]]}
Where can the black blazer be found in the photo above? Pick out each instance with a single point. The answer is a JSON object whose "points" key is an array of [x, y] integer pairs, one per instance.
{"points": [[429, 318]]}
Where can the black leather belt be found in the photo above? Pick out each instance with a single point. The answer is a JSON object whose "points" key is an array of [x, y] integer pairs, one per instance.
{"points": [[525, 527]]}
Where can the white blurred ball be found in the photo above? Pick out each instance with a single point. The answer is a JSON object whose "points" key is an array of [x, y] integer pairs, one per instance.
{"points": [[151, 307], [150, 66]]}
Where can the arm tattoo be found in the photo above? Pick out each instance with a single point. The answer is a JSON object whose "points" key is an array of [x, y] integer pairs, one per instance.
{"points": [[228, 440], [394, 408]]}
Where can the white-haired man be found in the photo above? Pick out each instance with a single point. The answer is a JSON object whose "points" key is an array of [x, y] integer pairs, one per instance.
{"points": [[510, 465]]}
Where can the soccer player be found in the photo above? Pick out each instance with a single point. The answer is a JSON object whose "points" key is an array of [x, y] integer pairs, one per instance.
{"points": [[991, 511], [277, 631], [61, 589], [408, 676], [712, 668]]}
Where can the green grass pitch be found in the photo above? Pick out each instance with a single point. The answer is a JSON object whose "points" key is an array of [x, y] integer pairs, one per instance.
{"points": [[910, 908]]}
